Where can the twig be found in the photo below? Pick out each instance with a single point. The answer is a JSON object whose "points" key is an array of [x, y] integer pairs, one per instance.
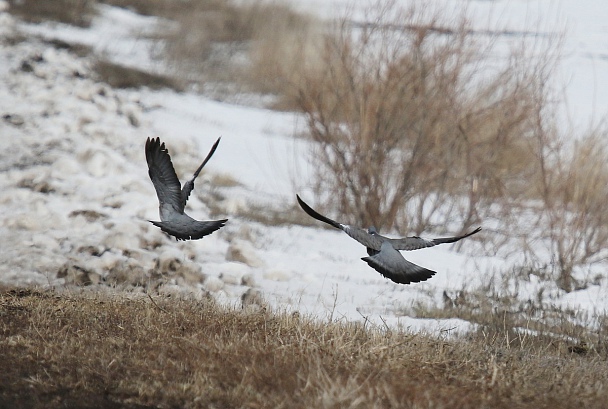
{"points": [[155, 304]]}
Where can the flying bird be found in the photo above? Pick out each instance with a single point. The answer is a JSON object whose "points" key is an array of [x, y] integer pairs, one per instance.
{"points": [[172, 197], [384, 255]]}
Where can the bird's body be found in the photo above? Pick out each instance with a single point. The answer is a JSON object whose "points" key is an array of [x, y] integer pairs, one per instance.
{"points": [[172, 197], [384, 255]]}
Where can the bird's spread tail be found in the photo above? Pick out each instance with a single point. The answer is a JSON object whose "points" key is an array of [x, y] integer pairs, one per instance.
{"points": [[192, 231]]}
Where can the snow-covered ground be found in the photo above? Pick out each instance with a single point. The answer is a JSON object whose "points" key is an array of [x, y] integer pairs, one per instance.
{"points": [[75, 195]]}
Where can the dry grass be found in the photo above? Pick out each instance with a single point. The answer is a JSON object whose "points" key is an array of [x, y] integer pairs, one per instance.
{"points": [[75, 12], [227, 48], [209, 38], [285, 45], [277, 216], [122, 350], [162, 8], [523, 323], [120, 76]]}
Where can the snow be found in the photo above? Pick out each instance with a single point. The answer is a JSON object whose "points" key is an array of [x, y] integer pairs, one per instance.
{"points": [[77, 156], [260, 142]]}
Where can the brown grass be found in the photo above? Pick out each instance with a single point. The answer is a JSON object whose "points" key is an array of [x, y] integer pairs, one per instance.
{"points": [[209, 35], [229, 48], [120, 76], [501, 312], [162, 8], [107, 350], [75, 12]]}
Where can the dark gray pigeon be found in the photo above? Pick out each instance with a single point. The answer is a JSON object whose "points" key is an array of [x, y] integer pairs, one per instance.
{"points": [[172, 197], [384, 255]]}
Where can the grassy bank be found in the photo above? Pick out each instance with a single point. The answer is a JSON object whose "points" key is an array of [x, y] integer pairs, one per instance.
{"points": [[113, 350]]}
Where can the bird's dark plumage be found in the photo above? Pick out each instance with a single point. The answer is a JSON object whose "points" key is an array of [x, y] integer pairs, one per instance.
{"points": [[384, 255], [172, 197]]}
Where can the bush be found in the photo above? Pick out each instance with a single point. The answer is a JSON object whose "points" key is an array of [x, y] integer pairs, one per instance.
{"points": [[573, 225], [416, 128]]}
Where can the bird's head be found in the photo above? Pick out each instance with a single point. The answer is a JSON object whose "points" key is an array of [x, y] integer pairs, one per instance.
{"points": [[372, 230]]}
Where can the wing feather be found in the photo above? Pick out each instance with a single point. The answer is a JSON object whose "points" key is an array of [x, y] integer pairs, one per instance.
{"points": [[189, 185], [415, 243], [312, 213], [162, 174], [362, 236]]}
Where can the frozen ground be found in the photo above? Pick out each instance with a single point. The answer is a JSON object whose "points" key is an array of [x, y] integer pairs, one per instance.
{"points": [[75, 195]]}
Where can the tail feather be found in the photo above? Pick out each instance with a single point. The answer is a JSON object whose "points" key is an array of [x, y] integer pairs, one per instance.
{"points": [[193, 231]]}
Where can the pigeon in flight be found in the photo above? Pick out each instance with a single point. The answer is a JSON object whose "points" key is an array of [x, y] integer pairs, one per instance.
{"points": [[173, 197], [384, 255]]}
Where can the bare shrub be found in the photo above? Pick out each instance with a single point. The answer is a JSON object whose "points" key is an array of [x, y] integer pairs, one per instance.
{"points": [[574, 191], [416, 128], [75, 12]]}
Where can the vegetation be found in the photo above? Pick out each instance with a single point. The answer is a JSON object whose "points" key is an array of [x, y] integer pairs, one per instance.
{"points": [[573, 188], [119, 76], [408, 133], [226, 48], [499, 309], [120, 350], [75, 12]]}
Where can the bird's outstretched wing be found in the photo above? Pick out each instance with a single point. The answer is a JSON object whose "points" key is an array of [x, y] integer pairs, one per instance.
{"points": [[415, 243], [374, 241], [362, 236], [189, 185], [162, 174], [391, 264], [312, 213]]}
